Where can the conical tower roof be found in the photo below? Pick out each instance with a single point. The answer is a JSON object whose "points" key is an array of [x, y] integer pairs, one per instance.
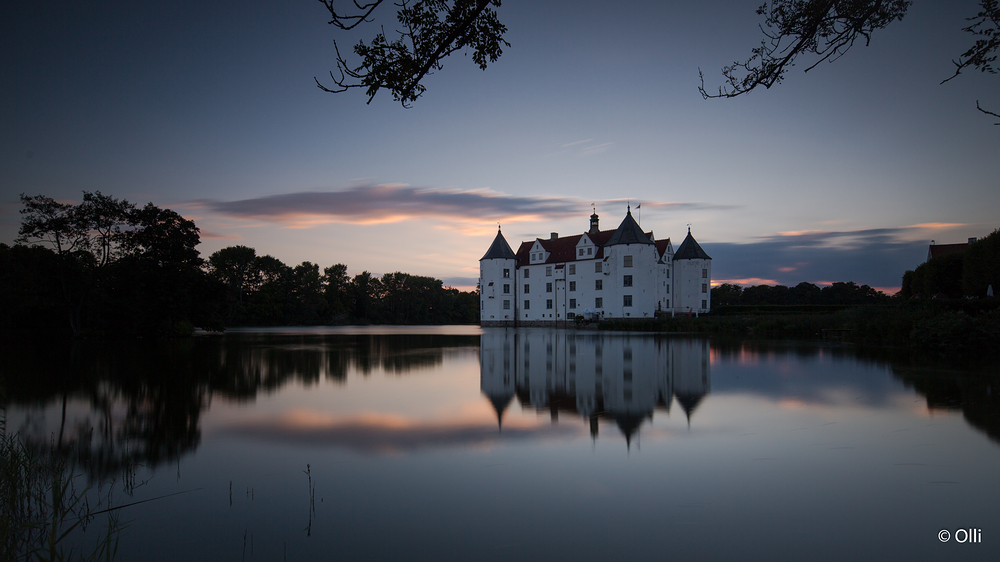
{"points": [[690, 250], [500, 249], [629, 232]]}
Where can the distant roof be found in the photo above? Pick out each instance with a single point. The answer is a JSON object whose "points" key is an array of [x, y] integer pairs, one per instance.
{"points": [[690, 250], [938, 250], [499, 249], [629, 232]]}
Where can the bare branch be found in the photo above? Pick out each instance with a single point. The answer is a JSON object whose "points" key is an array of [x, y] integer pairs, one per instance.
{"points": [[350, 21], [987, 112]]}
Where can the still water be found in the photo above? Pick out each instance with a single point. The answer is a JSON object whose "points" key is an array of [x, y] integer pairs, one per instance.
{"points": [[461, 443]]}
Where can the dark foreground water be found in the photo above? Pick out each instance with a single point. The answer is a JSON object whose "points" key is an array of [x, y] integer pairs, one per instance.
{"points": [[457, 443]]}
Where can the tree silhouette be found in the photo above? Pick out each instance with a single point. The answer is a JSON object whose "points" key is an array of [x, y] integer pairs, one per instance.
{"points": [[827, 29], [430, 31]]}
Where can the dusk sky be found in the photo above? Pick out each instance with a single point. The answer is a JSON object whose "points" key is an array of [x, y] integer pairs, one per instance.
{"points": [[844, 173]]}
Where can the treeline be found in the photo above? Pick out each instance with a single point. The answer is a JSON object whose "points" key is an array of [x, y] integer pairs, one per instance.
{"points": [[263, 291], [107, 267], [803, 294], [965, 274]]}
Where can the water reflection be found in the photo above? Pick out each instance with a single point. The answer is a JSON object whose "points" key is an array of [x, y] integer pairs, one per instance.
{"points": [[619, 377], [113, 406], [107, 407]]}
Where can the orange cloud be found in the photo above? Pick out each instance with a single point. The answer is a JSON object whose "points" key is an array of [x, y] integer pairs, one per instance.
{"points": [[747, 281]]}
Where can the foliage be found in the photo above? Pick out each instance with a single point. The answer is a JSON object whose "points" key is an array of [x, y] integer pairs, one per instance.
{"points": [[40, 507], [108, 267], [981, 266], [263, 291], [792, 28], [966, 274], [839, 293], [824, 30], [430, 31]]}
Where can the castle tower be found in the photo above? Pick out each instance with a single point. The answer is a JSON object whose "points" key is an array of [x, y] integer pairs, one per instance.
{"points": [[497, 284], [692, 277]]}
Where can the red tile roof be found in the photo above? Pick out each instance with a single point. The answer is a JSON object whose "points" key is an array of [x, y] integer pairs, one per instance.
{"points": [[563, 249], [938, 250]]}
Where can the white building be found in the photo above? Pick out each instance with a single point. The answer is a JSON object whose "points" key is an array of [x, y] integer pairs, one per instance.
{"points": [[621, 273]]}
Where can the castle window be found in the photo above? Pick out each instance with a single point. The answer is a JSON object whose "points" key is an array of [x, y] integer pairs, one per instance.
{"points": [[704, 273], [704, 304], [572, 303], [548, 287], [506, 288], [590, 251], [548, 271], [527, 305], [668, 274], [597, 267], [580, 253], [506, 274], [548, 304], [506, 305], [599, 284], [527, 271], [527, 288], [598, 302], [627, 301], [704, 287], [572, 269], [628, 261], [668, 289], [627, 281], [572, 285], [668, 303]]}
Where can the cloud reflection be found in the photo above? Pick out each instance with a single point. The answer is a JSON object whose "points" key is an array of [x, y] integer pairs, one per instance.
{"points": [[372, 433]]}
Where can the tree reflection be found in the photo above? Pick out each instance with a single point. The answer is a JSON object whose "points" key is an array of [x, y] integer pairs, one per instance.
{"points": [[108, 407]]}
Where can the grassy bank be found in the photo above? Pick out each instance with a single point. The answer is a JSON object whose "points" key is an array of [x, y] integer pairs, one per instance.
{"points": [[959, 325]]}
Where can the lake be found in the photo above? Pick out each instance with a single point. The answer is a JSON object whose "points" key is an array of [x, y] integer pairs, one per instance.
{"points": [[461, 443]]}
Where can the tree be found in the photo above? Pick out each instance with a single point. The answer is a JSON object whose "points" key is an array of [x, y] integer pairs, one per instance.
{"points": [[162, 236], [431, 30], [826, 29], [982, 266], [726, 294], [45, 221], [121, 268], [235, 266], [335, 283]]}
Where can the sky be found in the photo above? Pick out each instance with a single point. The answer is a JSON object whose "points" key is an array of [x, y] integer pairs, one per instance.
{"points": [[210, 108]]}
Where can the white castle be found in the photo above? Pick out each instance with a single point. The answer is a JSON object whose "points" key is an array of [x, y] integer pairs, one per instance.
{"points": [[621, 273]]}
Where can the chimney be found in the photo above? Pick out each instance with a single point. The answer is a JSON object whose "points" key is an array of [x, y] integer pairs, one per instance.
{"points": [[554, 235]]}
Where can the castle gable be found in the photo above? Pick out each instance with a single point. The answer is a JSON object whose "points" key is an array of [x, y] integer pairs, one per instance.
{"points": [[629, 232]]}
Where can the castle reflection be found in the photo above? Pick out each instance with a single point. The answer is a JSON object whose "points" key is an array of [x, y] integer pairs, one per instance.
{"points": [[620, 377]]}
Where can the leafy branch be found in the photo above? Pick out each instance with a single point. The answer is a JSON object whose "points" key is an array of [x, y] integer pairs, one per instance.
{"points": [[430, 31], [824, 28]]}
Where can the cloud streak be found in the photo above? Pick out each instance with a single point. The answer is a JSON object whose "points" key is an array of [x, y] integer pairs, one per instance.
{"points": [[876, 257], [394, 203]]}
